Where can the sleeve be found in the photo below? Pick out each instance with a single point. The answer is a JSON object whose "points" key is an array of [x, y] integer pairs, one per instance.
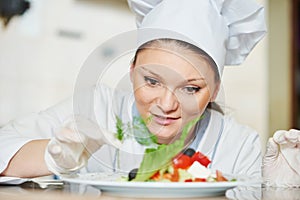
{"points": [[32, 127], [96, 103]]}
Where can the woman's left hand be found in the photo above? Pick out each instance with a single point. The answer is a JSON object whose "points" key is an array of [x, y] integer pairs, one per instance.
{"points": [[281, 163]]}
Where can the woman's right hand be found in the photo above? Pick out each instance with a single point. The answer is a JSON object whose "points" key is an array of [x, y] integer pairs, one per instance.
{"points": [[73, 145]]}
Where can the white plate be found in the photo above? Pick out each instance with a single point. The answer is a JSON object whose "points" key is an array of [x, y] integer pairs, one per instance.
{"points": [[108, 184]]}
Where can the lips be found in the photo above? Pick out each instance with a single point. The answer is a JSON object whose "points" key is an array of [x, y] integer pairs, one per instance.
{"points": [[164, 120]]}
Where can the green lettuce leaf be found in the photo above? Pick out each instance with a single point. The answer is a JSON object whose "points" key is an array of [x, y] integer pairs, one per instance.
{"points": [[141, 132], [157, 158]]}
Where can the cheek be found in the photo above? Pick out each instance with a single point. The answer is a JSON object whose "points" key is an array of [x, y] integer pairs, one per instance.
{"points": [[140, 92], [144, 99], [196, 104], [142, 95], [204, 99]]}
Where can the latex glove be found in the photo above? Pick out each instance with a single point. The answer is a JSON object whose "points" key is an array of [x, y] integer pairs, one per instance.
{"points": [[281, 164], [258, 193], [73, 145], [273, 193], [244, 193]]}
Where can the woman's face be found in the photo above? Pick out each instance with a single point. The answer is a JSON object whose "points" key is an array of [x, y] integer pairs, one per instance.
{"points": [[171, 89]]}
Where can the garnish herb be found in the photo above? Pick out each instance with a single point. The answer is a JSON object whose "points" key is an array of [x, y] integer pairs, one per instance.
{"points": [[138, 129], [120, 129]]}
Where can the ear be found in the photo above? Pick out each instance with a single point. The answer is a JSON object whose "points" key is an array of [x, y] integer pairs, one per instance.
{"points": [[215, 94], [131, 72]]}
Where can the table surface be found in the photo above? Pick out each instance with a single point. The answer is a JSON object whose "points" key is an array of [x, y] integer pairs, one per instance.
{"points": [[76, 192]]}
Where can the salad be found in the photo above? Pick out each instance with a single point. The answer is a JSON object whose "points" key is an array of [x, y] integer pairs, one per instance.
{"points": [[189, 166], [167, 163]]}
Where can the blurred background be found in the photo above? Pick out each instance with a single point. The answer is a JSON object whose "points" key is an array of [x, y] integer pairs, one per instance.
{"points": [[42, 50]]}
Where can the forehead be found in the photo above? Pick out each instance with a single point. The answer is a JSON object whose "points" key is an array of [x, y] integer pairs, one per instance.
{"points": [[181, 62]]}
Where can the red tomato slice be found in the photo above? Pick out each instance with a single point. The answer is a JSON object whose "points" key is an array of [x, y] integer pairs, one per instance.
{"points": [[182, 161], [220, 177], [156, 176], [200, 180], [175, 175], [202, 159], [168, 176]]}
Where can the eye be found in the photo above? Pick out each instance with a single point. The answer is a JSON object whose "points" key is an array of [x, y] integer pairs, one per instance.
{"points": [[151, 81], [191, 89]]}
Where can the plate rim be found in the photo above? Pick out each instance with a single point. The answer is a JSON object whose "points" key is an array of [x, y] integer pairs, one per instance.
{"points": [[153, 185]]}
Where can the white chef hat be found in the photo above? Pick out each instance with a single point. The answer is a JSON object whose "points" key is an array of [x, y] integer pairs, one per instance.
{"points": [[227, 30]]}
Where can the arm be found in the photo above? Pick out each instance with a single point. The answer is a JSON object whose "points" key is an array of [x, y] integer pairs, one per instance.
{"points": [[23, 141], [28, 161]]}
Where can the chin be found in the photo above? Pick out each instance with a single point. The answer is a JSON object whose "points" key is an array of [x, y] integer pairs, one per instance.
{"points": [[165, 137], [164, 134]]}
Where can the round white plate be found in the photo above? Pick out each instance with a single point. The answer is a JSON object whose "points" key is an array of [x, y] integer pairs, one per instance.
{"points": [[108, 184]]}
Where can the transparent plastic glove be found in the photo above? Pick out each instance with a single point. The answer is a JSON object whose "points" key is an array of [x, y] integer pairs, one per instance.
{"points": [[244, 193], [73, 145], [281, 193], [281, 164]]}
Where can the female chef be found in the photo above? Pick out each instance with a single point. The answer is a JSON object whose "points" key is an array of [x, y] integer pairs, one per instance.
{"points": [[176, 75]]}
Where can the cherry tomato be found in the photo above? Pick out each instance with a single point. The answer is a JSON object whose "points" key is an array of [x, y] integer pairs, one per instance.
{"points": [[182, 161], [202, 159], [188, 180]]}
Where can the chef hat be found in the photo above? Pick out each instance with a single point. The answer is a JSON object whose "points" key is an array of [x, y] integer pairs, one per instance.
{"points": [[227, 30]]}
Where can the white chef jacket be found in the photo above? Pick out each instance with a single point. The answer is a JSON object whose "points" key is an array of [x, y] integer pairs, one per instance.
{"points": [[232, 147]]}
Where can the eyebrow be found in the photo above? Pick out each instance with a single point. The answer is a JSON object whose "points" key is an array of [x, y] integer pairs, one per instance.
{"points": [[151, 72], [185, 81]]}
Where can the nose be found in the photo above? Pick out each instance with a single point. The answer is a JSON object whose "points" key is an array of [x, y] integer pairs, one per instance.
{"points": [[167, 101]]}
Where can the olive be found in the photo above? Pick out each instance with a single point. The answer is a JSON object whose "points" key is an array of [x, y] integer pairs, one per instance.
{"points": [[189, 152], [132, 174]]}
